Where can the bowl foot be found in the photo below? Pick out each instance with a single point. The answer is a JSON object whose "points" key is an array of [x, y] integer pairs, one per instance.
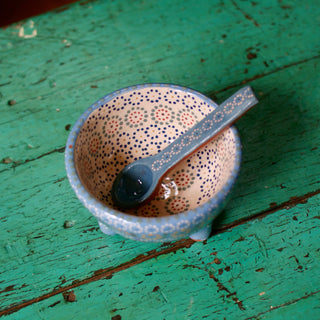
{"points": [[203, 234], [106, 229]]}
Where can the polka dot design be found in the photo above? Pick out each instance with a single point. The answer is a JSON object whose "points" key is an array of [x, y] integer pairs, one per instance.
{"points": [[138, 122]]}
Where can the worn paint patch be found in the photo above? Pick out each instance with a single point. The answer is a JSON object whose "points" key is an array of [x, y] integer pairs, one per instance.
{"points": [[29, 32]]}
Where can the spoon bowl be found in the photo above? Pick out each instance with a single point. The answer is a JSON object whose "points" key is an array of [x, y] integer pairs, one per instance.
{"points": [[138, 122]]}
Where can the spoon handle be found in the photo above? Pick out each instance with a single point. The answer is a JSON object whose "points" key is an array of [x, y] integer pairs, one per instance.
{"points": [[222, 117]]}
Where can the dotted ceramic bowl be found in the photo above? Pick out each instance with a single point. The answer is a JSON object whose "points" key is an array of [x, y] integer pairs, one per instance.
{"points": [[137, 122]]}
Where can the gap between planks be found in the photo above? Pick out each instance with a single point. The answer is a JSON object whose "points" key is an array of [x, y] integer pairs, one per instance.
{"points": [[19, 163], [262, 75], [284, 304], [170, 247]]}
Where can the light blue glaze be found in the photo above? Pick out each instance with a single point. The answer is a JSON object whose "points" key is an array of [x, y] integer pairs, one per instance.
{"points": [[138, 181]]}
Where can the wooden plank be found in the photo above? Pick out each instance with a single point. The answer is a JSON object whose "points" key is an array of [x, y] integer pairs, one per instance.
{"points": [[257, 270], [210, 47], [34, 223], [38, 254], [67, 66]]}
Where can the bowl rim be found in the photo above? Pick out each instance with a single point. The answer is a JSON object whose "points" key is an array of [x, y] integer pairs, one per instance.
{"points": [[105, 213]]}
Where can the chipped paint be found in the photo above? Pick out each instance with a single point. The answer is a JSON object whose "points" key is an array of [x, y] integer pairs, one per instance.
{"points": [[66, 42], [26, 35]]}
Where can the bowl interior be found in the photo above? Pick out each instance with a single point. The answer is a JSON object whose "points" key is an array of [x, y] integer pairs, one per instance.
{"points": [[140, 122]]}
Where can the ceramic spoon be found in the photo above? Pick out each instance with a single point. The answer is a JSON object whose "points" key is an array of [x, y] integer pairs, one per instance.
{"points": [[138, 181]]}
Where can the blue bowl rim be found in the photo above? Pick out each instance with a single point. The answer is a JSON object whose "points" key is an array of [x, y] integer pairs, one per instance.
{"points": [[101, 211]]}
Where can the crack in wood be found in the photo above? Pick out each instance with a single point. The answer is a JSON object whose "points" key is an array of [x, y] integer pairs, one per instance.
{"points": [[284, 305], [246, 15], [103, 274], [19, 163], [259, 76], [221, 287], [292, 202]]}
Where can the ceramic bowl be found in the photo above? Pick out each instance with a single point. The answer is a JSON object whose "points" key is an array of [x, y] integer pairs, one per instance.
{"points": [[137, 122]]}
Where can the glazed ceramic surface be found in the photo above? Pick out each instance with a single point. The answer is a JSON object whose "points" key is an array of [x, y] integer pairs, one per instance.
{"points": [[137, 122]]}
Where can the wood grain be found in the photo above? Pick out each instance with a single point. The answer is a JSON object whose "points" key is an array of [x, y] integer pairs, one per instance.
{"points": [[263, 257]]}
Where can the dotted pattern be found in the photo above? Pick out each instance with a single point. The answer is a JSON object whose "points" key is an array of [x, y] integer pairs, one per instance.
{"points": [[202, 130], [137, 122]]}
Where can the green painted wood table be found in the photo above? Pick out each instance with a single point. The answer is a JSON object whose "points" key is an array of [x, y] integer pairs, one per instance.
{"points": [[262, 259]]}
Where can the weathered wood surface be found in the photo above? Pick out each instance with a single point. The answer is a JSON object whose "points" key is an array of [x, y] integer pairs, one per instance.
{"points": [[267, 239], [243, 271]]}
